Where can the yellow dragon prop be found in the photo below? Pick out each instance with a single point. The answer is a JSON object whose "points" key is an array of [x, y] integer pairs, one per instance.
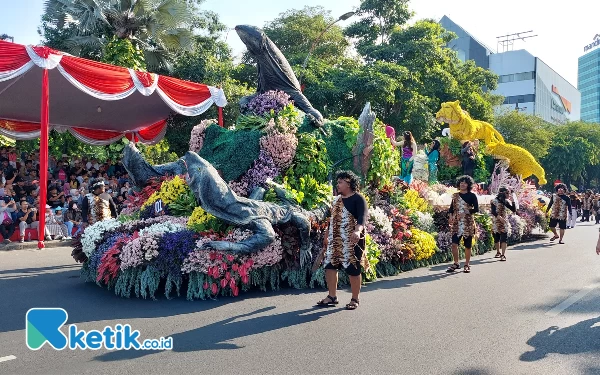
{"points": [[463, 127]]}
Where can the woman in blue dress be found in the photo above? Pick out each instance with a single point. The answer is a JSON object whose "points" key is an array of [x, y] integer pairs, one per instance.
{"points": [[433, 156]]}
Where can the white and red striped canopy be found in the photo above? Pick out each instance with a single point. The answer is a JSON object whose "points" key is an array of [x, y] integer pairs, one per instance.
{"points": [[98, 103]]}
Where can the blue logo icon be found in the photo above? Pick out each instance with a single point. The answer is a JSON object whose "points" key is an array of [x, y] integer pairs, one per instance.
{"points": [[44, 324]]}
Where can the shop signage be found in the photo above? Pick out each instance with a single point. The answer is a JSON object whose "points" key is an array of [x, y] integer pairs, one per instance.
{"points": [[595, 43], [566, 105]]}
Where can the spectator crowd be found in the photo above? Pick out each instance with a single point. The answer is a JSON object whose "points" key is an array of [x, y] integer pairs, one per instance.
{"points": [[69, 180]]}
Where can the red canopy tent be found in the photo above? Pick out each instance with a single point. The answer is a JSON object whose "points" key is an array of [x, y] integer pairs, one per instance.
{"points": [[41, 89]]}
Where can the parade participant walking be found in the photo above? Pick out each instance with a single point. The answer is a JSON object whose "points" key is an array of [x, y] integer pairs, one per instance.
{"points": [[409, 150], [468, 158], [573, 212], [433, 156], [462, 223], [97, 206], [560, 203], [587, 206], [345, 239], [500, 224]]}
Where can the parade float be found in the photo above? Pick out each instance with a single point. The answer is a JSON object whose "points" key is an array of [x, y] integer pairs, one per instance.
{"points": [[248, 205]]}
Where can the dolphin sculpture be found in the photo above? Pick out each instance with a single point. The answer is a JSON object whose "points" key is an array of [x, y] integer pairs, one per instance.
{"points": [[274, 71]]}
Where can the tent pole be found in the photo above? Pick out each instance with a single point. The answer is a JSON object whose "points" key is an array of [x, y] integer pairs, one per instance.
{"points": [[220, 109], [43, 158]]}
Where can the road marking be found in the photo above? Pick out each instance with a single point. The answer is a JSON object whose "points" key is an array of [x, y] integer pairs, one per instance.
{"points": [[571, 300], [7, 358]]}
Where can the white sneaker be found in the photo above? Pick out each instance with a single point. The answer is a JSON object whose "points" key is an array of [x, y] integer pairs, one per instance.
{"points": [[68, 238]]}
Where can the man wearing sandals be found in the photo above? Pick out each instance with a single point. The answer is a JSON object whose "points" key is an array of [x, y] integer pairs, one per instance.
{"points": [[561, 209], [500, 222], [345, 238], [462, 223]]}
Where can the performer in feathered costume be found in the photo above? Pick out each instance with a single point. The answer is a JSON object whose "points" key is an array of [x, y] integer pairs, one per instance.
{"points": [[97, 205]]}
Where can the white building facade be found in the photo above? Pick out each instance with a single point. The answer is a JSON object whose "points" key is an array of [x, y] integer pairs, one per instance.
{"points": [[526, 82], [530, 85]]}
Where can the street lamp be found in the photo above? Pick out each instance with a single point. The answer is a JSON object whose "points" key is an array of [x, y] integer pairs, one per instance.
{"points": [[343, 17]]}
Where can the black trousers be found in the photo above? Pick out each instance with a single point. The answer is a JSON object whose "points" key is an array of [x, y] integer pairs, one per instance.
{"points": [[7, 230], [586, 215]]}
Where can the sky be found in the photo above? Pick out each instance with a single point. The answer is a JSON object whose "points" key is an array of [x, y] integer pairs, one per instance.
{"points": [[562, 30]]}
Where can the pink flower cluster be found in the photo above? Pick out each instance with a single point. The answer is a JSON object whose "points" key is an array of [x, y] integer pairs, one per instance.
{"points": [[281, 147], [132, 254], [198, 134], [268, 256], [141, 249], [264, 168]]}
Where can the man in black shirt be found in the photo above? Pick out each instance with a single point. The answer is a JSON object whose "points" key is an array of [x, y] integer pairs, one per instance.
{"points": [[462, 223], [345, 239]]}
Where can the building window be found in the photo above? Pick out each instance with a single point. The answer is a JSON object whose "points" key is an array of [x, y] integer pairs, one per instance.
{"points": [[529, 98], [516, 77]]}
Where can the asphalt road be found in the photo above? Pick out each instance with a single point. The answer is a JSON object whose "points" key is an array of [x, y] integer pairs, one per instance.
{"points": [[537, 313]]}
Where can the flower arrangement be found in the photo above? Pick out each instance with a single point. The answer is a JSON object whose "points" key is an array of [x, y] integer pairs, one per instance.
{"points": [[423, 244], [444, 241], [280, 147], [93, 234], [424, 221], [407, 225], [264, 169], [518, 227], [413, 202], [381, 221], [266, 102], [169, 191], [198, 134]]}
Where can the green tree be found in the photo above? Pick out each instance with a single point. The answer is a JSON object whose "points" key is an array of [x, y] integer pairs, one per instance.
{"points": [[294, 31], [568, 157], [379, 19], [435, 74], [528, 131], [157, 27]]}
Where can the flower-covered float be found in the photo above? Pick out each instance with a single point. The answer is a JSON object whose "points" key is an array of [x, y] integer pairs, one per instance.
{"points": [[189, 248], [247, 207]]}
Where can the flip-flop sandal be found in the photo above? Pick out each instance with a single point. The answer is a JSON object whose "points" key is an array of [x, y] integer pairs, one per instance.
{"points": [[453, 267], [498, 255], [560, 242], [503, 258], [332, 302], [554, 238], [353, 305], [467, 269]]}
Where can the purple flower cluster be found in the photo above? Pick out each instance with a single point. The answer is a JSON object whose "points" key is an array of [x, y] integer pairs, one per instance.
{"points": [[271, 100], [444, 241], [264, 168], [103, 248], [174, 247], [483, 235]]}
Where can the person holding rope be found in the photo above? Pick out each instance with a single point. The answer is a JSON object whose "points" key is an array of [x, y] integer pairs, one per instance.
{"points": [[345, 239]]}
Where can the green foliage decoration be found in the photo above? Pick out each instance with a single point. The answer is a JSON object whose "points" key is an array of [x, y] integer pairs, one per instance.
{"points": [[231, 152], [385, 162]]}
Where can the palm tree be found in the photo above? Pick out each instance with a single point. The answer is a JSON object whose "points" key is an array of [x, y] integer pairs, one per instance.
{"points": [[156, 28]]}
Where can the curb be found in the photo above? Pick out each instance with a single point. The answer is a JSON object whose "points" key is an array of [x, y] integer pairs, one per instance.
{"points": [[32, 245]]}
